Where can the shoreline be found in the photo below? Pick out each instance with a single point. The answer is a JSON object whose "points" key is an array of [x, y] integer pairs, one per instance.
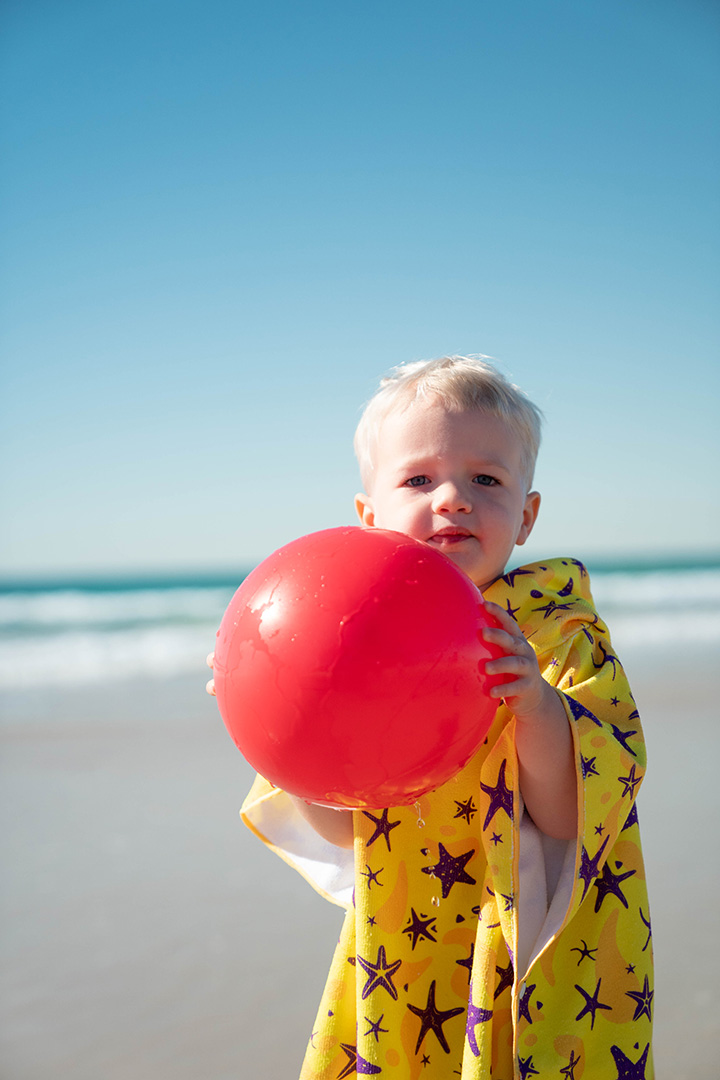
{"points": [[147, 933]]}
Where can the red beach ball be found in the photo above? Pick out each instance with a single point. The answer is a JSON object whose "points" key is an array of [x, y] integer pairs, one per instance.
{"points": [[350, 668]]}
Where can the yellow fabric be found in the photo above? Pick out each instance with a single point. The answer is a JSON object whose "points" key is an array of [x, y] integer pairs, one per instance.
{"points": [[422, 983]]}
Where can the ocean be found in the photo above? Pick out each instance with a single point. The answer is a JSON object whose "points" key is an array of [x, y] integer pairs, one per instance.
{"points": [[56, 633]]}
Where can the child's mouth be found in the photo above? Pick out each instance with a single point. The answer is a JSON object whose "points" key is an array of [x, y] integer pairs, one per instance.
{"points": [[450, 537]]}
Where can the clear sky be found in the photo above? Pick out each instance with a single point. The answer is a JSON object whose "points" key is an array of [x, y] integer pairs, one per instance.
{"points": [[224, 220]]}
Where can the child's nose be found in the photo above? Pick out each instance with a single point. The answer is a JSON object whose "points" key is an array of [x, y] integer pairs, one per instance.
{"points": [[450, 499]]}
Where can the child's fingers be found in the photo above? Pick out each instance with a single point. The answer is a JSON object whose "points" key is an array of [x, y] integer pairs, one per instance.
{"points": [[503, 690], [518, 667], [506, 621], [508, 634], [210, 685], [512, 644], [511, 664], [504, 638], [516, 673]]}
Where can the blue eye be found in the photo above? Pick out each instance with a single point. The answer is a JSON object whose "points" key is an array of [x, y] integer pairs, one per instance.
{"points": [[485, 480], [417, 481]]}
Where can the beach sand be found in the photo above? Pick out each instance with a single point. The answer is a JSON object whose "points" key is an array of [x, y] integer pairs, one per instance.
{"points": [[147, 935]]}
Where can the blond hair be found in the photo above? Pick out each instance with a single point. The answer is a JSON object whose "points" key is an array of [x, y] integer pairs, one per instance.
{"points": [[461, 383]]}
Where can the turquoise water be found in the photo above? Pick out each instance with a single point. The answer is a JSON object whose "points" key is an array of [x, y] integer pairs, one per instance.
{"points": [[59, 632]]}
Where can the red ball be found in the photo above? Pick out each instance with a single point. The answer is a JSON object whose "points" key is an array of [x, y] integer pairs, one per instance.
{"points": [[350, 668]]}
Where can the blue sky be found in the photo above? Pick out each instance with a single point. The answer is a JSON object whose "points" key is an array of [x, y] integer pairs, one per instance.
{"points": [[224, 221]]}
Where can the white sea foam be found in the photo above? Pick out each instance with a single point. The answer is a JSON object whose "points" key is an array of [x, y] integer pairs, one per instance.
{"points": [[74, 608], [657, 589], [654, 630], [66, 637], [80, 658], [660, 607]]}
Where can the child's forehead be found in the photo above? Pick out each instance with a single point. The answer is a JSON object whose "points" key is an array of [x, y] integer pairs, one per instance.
{"points": [[395, 411], [418, 419]]}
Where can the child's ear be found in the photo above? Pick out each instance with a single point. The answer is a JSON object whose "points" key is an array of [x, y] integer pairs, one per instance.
{"points": [[365, 511], [530, 513]]}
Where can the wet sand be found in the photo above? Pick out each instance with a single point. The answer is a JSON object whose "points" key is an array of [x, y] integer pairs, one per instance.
{"points": [[146, 935]]}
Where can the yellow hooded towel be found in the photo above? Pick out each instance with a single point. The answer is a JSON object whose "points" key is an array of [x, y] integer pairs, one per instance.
{"points": [[474, 946]]}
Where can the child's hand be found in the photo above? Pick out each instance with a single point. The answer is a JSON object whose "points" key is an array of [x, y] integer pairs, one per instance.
{"points": [[526, 693], [542, 736], [210, 686]]}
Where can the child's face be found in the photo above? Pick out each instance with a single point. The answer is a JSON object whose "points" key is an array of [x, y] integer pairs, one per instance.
{"points": [[454, 480]]}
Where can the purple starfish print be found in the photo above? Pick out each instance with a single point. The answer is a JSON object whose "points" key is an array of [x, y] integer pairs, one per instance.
{"points": [[375, 1028], [496, 839], [383, 827], [419, 927], [627, 1069], [356, 1065], [466, 810], [607, 658], [468, 963], [526, 1067], [584, 952], [524, 1004], [632, 818], [451, 869], [501, 798], [608, 882], [595, 625], [592, 1003], [512, 611], [623, 736], [380, 974], [506, 979], [569, 1070], [372, 876], [649, 928], [509, 578], [551, 607], [475, 1016], [643, 1000], [579, 710], [432, 1019], [589, 868], [630, 782], [588, 767]]}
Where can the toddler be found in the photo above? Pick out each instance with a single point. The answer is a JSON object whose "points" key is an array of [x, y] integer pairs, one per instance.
{"points": [[499, 928]]}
